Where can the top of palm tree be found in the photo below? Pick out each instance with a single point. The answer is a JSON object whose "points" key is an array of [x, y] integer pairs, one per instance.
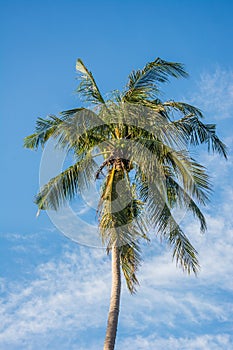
{"points": [[147, 169]]}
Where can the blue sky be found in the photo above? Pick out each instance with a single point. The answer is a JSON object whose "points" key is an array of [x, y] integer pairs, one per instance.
{"points": [[54, 294]]}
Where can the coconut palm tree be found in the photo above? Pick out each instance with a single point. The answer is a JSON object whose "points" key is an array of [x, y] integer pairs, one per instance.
{"points": [[139, 148]]}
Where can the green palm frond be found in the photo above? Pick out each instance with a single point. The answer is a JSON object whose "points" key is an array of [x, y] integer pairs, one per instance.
{"points": [[88, 87], [143, 83], [73, 131], [188, 172], [166, 166], [67, 184], [72, 112], [184, 108], [160, 217], [46, 128], [177, 196], [197, 133], [184, 253], [162, 220], [130, 258]]}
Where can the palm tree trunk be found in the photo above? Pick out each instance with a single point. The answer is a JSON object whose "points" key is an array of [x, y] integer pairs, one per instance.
{"points": [[114, 308]]}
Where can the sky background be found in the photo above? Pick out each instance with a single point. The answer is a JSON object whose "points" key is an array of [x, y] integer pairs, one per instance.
{"points": [[54, 294]]}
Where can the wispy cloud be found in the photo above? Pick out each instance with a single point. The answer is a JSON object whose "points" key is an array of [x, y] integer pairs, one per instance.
{"points": [[215, 93], [205, 342], [67, 297]]}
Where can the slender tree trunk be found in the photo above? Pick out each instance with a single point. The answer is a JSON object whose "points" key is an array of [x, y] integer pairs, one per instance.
{"points": [[114, 308]]}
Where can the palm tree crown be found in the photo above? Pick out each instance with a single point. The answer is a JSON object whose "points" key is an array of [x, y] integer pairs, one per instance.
{"points": [[146, 169]]}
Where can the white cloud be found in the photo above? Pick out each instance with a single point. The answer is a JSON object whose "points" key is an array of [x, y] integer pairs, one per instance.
{"points": [[69, 295], [155, 342], [215, 93], [65, 295]]}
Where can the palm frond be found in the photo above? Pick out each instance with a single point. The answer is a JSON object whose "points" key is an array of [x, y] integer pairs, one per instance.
{"points": [[67, 184], [161, 219], [143, 83], [151, 123], [186, 170], [45, 128], [73, 112], [88, 87], [184, 108], [71, 137], [130, 258], [177, 196], [190, 174], [184, 253], [73, 131], [197, 133]]}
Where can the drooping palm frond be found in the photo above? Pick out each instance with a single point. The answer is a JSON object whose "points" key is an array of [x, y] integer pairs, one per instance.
{"points": [[143, 83], [188, 172], [167, 227], [184, 253], [161, 219], [166, 109], [178, 197], [174, 195], [67, 184], [45, 128], [192, 176], [88, 88], [130, 258], [184, 108], [196, 132]]}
